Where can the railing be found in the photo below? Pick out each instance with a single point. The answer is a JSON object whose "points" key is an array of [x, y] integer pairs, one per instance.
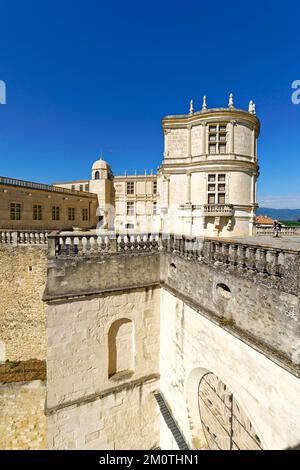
{"points": [[229, 255], [23, 237], [292, 230], [218, 209], [247, 257], [41, 186], [91, 245]]}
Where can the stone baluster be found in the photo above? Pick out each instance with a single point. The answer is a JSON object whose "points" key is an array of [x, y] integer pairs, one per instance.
{"points": [[226, 253], [212, 254], [262, 262], [219, 252], [234, 255], [79, 246], [75, 246], [273, 265], [88, 245], [242, 256], [93, 246], [252, 257]]}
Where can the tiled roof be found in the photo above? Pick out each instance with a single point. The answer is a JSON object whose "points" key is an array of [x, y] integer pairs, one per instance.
{"points": [[263, 219]]}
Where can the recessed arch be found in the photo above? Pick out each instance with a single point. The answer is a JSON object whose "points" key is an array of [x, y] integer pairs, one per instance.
{"points": [[121, 347]]}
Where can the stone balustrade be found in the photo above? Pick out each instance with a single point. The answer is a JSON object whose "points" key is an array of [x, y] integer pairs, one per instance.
{"points": [[232, 255], [218, 209], [292, 230], [93, 245], [23, 237]]}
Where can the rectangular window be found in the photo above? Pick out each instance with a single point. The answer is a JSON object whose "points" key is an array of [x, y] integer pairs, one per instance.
{"points": [[130, 208], [129, 226], [212, 148], [15, 211], [55, 213], [155, 187], [86, 187], [154, 208], [85, 214], [216, 192], [217, 133], [73, 187], [130, 187], [37, 212], [71, 213], [221, 198], [81, 187]]}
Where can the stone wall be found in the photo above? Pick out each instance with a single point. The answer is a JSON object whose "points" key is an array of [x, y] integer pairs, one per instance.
{"points": [[182, 309], [262, 310], [89, 407], [192, 345], [22, 418], [22, 315]]}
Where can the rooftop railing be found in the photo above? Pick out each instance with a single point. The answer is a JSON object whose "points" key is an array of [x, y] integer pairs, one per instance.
{"points": [[40, 186], [291, 230]]}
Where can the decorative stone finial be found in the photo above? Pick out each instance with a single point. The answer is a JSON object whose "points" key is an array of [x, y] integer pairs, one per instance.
{"points": [[191, 107], [252, 107], [230, 103], [204, 107]]}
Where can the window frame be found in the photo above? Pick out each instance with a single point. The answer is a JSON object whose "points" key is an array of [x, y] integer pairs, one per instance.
{"points": [[217, 130], [37, 212], [130, 187], [55, 213], [130, 204], [71, 214], [84, 214], [216, 180], [19, 204]]}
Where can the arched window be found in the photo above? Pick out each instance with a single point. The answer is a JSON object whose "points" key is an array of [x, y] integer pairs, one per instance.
{"points": [[121, 347], [97, 175]]}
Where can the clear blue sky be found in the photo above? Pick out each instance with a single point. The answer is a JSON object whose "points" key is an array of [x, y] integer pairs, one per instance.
{"points": [[89, 77]]}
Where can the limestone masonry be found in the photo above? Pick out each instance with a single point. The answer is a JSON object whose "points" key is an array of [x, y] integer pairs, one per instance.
{"points": [[150, 311]]}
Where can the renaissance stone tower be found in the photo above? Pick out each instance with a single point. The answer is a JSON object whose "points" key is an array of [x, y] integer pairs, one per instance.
{"points": [[102, 185], [208, 175]]}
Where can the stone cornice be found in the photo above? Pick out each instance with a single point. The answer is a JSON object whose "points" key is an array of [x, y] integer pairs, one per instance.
{"points": [[220, 114]]}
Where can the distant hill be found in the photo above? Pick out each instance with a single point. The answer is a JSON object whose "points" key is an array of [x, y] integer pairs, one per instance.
{"points": [[280, 214]]}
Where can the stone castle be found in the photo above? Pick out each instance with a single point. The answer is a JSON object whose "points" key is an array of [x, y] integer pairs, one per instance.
{"points": [[164, 317]]}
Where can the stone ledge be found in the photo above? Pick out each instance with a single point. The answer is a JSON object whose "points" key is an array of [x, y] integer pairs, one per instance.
{"points": [[109, 391], [23, 371]]}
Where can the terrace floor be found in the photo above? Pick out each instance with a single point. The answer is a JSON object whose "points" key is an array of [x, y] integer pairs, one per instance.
{"points": [[291, 242]]}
